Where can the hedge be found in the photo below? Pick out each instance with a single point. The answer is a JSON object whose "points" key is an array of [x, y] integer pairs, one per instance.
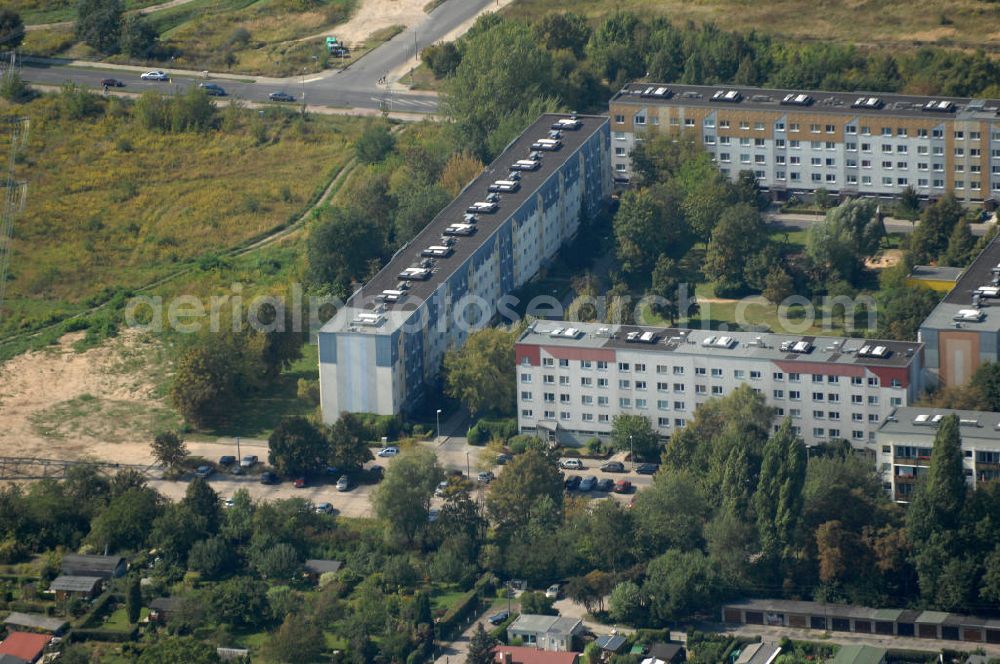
{"points": [[95, 609], [500, 632], [96, 634], [485, 430], [453, 617]]}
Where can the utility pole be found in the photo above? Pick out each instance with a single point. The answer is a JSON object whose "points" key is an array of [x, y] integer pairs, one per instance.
{"points": [[631, 451]]}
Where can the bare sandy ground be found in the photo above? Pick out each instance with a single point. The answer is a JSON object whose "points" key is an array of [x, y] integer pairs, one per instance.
{"points": [[61, 404], [375, 15]]}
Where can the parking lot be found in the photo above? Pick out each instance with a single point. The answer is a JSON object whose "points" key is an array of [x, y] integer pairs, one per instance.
{"points": [[453, 453]]}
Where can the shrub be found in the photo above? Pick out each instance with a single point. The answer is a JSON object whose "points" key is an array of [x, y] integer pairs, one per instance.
{"points": [[14, 89]]}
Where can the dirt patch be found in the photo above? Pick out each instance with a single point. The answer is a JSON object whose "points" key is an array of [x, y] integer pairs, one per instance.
{"points": [[886, 259], [102, 403], [375, 15], [932, 35]]}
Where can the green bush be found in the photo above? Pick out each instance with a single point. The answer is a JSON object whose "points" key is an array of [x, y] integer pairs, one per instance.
{"points": [[485, 430], [452, 619]]}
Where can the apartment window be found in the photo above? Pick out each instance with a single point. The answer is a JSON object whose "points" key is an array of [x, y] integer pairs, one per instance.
{"points": [[623, 366], [817, 378], [959, 135], [816, 161], [744, 142], [602, 365], [794, 377], [795, 413], [725, 140], [619, 119], [602, 382], [549, 379], [974, 135], [779, 143], [527, 413], [814, 128], [587, 400], [779, 126], [833, 398], [564, 380], [779, 394], [602, 417], [816, 145], [818, 414], [873, 381], [901, 149], [525, 378], [819, 432], [716, 373], [586, 364], [959, 152], [679, 405], [759, 159], [887, 131], [873, 418], [866, 147], [709, 139], [588, 417], [857, 435], [679, 422], [754, 375], [563, 398], [663, 387], [716, 390], [547, 362], [794, 395], [758, 126], [640, 367], [857, 398], [625, 402], [640, 119], [921, 133], [700, 389], [619, 151], [688, 122], [873, 401], [852, 179], [817, 396], [794, 160], [602, 401], [526, 396], [851, 147], [777, 375], [895, 401], [744, 124], [724, 157], [700, 371], [834, 415], [723, 124], [850, 129], [834, 433], [758, 142], [640, 385], [679, 388], [739, 374], [830, 145], [886, 148], [794, 126], [549, 397], [857, 417], [795, 145], [663, 422]]}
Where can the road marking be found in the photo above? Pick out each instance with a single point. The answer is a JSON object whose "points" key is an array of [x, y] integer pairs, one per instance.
{"points": [[311, 80]]}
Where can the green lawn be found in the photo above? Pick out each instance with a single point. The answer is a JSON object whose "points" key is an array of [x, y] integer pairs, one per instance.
{"points": [[118, 621]]}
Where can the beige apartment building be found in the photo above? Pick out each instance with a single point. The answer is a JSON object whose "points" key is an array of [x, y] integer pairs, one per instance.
{"points": [[848, 143]]}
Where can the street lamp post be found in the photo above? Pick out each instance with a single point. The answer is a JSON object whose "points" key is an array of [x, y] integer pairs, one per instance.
{"points": [[437, 419], [631, 451]]}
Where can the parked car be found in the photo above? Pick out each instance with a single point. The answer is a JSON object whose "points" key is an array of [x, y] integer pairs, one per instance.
{"points": [[433, 515], [486, 476], [204, 471], [623, 486], [376, 473], [332, 470], [299, 483], [552, 592], [343, 484], [228, 502], [646, 468], [249, 461], [155, 75], [212, 89], [572, 482], [588, 483], [388, 451], [324, 508], [227, 460], [503, 458], [498, 618], [604, 484], [571, 464], [280, 96], [267, 477], [112, 83], [441, 488], [613, 467], [236, 469]]}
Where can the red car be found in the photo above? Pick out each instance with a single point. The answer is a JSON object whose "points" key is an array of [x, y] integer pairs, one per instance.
{"points": [[112, 83], [300, 483], [623, 486]]}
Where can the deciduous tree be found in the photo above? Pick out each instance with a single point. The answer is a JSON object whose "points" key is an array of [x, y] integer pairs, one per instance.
{"points": [[169, 449], [403, 498], [479, 373], [98, 23], [297, 447], [517, 492]]}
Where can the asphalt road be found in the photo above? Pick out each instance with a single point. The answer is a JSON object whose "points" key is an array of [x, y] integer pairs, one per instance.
{"points": [[357, 86]]}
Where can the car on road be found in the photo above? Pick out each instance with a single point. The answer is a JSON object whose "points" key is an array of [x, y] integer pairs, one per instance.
{"points": [[344, 483], [299, 483], [155, 75], [388, 451], [204, 471], [280, 96], [572, 482], [552, 592], [112, 83], [588, 483], [604, 484], [486, 476], [503, 458], [324, 508], [267, 477], [623, 486], [227, 460], [249, 461], [498, 618], [646, 468], [613, 467], [571, 464], [213, 89]]}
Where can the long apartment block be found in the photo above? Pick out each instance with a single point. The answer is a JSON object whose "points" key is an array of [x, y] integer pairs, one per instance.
{"points": [[905, 440], [381, 350], [849, 143], [574, 378]]}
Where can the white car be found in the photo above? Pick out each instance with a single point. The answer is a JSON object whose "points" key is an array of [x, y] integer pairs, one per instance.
{"points": [[552, 592], [155, 75], [571, 464], [388, 451]]}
